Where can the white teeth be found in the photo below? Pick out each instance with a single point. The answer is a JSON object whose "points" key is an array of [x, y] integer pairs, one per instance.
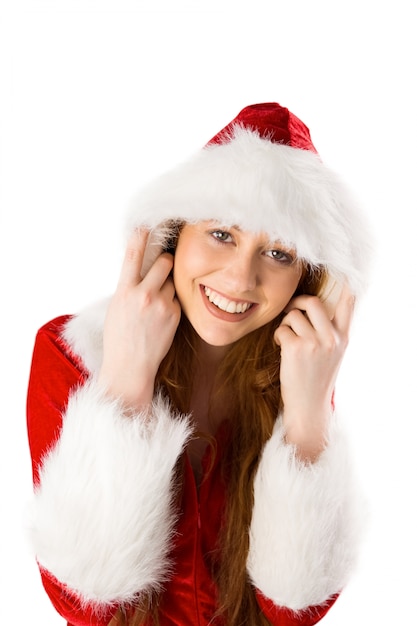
{"points": [[226, 305]]}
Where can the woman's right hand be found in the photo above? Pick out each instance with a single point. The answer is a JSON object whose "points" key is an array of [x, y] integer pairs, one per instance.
{"points": [[140, 325]]}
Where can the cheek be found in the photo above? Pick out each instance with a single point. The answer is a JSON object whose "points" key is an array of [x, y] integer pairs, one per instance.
{"points": [[182, 256], [187, 262], [192, 259], [282, 291]]}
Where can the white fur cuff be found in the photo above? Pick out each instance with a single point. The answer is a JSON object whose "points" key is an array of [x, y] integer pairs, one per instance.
{"points": [[102, 516], [305, 524]]}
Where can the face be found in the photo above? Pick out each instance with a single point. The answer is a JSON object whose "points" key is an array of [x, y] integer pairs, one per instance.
{"points": [[230, 282]]}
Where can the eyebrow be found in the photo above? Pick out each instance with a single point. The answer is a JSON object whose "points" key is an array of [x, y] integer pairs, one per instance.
{"points": [[272, 243]]}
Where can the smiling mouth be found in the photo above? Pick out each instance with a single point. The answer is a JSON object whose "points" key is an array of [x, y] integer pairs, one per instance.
{"points": [[222, 303]]}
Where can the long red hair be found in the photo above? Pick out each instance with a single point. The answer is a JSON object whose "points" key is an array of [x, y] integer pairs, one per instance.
{"points": [[250, 372]]}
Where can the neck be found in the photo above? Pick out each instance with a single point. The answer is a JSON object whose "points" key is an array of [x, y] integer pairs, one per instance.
{"points": [[207, 404], [208, 356]]}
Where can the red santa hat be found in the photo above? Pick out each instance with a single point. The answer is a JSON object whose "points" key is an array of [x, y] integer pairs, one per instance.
{"points": [[262, 173], [271, 121]]}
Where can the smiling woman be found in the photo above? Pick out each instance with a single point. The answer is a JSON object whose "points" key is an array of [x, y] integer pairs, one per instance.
{"points": [[222, 277], [189, 466]]}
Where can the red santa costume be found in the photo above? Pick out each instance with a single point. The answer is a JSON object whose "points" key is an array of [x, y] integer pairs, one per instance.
{"points": [[103, 523]]}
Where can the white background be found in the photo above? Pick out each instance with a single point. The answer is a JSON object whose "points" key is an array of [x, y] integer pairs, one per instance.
{"points": [[99, 96]]}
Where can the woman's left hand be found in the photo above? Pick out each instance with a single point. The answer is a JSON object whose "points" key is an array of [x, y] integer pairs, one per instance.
{"points": [[312, 348]]}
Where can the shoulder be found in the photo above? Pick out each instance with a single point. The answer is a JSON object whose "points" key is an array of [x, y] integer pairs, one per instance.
{"points": [[83, 335], [78, 337]]}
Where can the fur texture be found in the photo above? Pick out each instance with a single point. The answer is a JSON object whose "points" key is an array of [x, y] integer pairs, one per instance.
{"points": [[263, 186], [306, 523], [83, 333], [105, 531], [102, 517], [299, 509]]}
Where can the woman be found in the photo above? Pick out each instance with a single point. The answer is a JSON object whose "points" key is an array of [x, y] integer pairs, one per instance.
{"points": [[189, 468]]}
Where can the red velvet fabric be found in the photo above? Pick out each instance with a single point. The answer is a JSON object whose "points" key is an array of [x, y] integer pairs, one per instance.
{"points": [[189, 598], [272, 121]]}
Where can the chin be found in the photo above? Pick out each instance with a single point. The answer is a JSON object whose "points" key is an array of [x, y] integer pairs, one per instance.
{"points": [[219, 339], [217, 342]]}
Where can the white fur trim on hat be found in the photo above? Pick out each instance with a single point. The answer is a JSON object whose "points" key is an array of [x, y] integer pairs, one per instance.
{"points": [[306, 524], [102, 518], [260, 185]]}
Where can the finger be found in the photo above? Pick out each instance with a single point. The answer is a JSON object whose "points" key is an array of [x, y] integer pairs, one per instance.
{"points": [[159, 271], [313, 311], [168, 289], [344, 311], [130, 273], [330, 296], [299, 323], [284, 334], [299, 302]]}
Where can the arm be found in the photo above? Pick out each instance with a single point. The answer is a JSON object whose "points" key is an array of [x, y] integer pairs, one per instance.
{"points": [[102, 516], [305, 529], [140, 325], [306, 517], [312, 348]]}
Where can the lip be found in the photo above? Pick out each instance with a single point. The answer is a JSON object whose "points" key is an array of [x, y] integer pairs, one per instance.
{"points": [[224, 315]]}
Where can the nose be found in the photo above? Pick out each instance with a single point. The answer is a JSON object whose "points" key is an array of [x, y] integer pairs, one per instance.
{"points": [[242, 274]]}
